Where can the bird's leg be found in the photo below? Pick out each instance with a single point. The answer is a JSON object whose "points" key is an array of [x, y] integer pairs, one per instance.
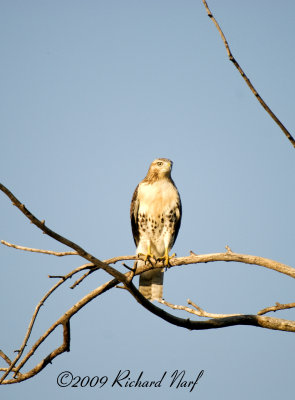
{"points": [[148, 255], [166, 257]]}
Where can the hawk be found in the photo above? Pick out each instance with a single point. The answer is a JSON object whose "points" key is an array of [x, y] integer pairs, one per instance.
{"points": [[155, 214]]}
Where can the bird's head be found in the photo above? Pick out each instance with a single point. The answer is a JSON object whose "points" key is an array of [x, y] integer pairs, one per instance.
{"points": [[159, 169]]}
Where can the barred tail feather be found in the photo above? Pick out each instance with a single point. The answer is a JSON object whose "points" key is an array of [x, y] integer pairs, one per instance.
{"points": [[151, 284]]}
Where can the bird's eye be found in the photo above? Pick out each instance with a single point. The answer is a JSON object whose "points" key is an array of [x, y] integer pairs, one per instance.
{"points": [[159, 163]]}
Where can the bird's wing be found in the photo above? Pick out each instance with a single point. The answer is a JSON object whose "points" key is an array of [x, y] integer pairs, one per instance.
{"points": [[178, 218], [134, 215]]}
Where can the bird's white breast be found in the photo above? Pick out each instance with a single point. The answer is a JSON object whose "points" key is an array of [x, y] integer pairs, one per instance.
{"points": [[157, 198]]}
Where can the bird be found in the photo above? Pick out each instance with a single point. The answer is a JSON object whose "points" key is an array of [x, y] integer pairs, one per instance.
{"points": [[155, 214]]}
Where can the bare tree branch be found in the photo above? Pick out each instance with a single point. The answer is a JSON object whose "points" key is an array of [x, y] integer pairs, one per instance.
{"points": [[231, 256], [33, 319], [202, 313], [66, 253], [5, 357], [54, 253], [63, 321], [41, 225], [225, 320], [246, 79], [198, 311], [192, 259], [15, 365], [254, 320], [277, 307], [215, 321]]}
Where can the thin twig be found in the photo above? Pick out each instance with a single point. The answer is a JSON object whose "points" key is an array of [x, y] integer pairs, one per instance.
{"points": [[54, 253], [277, 307], [33, 319], [112, 260], [246, 79], [78, 281], [199, 311], [64, 321], [57, 277], [5, 357]]}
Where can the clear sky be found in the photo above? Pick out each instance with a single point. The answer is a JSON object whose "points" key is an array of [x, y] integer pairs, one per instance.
{"points": [[91, 92]]}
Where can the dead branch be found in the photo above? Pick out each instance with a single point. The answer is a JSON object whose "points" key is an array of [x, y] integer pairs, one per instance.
{"points": [[231, 256], [125, 279], [63, 321], [54, 253], [113, 260], [33, 319], [277, 307], [246, 79], [198, 310], [253, 320], [202, 313], [193, 258], [41, 225], [216, 320]]}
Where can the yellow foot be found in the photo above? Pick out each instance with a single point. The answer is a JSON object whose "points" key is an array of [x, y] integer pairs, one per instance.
{"points": [[166, 258], [146, 257]]}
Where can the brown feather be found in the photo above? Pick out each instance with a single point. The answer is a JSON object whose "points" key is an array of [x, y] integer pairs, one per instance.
{"points": [[134, 215]]}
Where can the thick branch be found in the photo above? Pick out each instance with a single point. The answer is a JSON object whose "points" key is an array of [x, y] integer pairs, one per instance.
{"points": [[218, 321], [253, 320], [202, 313], [231, 256], [178, 261], [265, 322], [246, 79], [41, 225]]}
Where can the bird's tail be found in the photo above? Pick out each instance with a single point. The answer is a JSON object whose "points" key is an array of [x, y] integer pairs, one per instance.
{"points": [[151, 284]]}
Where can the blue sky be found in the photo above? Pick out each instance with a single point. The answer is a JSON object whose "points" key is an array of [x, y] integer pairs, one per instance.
{"points": [[92, 92]]}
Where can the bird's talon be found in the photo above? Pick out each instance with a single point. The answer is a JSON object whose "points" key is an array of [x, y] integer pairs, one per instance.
{"points": [[166, 259], [146, 257]]}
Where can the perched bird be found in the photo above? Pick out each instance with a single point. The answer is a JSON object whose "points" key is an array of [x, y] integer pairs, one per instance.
{"points": [[155, 214]]}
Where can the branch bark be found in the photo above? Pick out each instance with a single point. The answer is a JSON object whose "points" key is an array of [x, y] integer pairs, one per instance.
{"points": [[246, 79]]}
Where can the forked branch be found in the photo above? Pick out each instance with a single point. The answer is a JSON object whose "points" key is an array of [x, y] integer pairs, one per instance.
{"points": [[16, 365]]}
